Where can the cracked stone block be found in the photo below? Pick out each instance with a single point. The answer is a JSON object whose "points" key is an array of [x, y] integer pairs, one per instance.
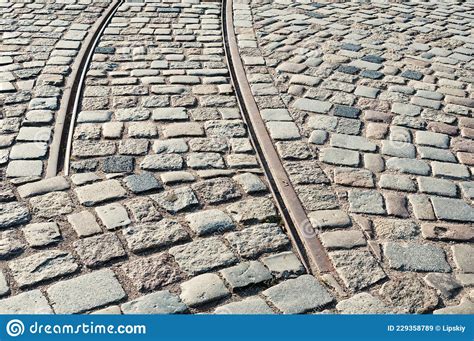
{"points": [[245, 274], [51, 205], [394, 229], [444, 283], [217, 190], [248, 306], [287, 297], [416, 257], [96, 193], [42, 234], [84, 223], [176, 200], [209, 221], [86, 292], [30, 302], [329, 218], [452, 209], [447, 232], [42, 266], [284, 265], [409, 294], [357, 269], [203, 289], [160, 302], [254, 210], [343, 239], [141, 237], [57, 183], [150, 273], [98, 250], [363, 303], [255, 240], [113, 216], [370, 202], [203, 255], [13, 213], [463, 255]]}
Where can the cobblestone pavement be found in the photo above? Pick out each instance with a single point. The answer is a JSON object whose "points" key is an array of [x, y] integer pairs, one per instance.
{"points": [[370, 106], [167, 209]]}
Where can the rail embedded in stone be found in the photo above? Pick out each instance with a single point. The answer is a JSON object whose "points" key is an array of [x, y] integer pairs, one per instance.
{"points": [[61, 145], [295, 218]]}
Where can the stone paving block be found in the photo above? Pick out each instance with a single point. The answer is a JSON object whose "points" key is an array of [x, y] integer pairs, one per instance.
{"points": [[203, 255], [343, 239], [363, 303], [160, 302], [312, 105], [51, 205], [85, 292], [42, 234], [352, 142], [23, 168], [154, 272], [42, 266], [98, 250], [84, 223], [96, 193], [141, 237], [336, 156], [57, 183], [447, 232], [463, 257], [329, 218], [452, 209], [450, 170], [357, 269], [29, 302], [248, 306], [209, 221], [113, 216], [416, 297], [284, 265], [287, 297], [283, 130], [169, 114], [203, 289], [395, 229], [398, 149], [416, 257], [176, 200], [370, 202], [410, 166], [143, 182], [437, 186], [13, 213], [255, 240], [443, 283], [245, 274]]}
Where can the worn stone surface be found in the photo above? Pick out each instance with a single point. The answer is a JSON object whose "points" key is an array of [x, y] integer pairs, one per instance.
{"points": [[160, 302], [85, 292], [287, 297], [203, 289]]}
